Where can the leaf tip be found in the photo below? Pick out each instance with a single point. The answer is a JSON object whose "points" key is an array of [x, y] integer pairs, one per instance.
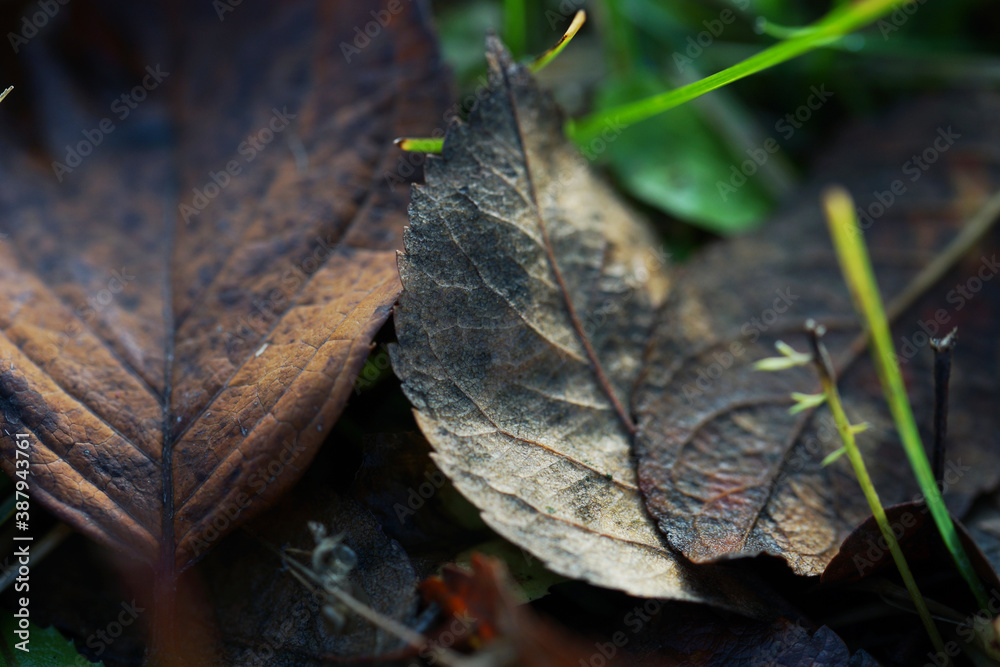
{"points": [[574, 27], [420, 144]]}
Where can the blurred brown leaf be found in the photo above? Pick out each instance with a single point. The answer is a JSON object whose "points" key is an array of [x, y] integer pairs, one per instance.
{"points": [[529, 289], [723, 466], [186, 297], [480, 612]]}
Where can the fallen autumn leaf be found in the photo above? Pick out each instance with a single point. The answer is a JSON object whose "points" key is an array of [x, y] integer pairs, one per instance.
{"points": [[724, 467], [186, 302], [518, 377]]}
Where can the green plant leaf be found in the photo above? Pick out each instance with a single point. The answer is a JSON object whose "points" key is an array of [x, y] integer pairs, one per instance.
{"points": [[46, 647], [675, 162], [827, 31]]}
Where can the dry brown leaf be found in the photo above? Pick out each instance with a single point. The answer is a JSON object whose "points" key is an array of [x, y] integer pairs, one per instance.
{"points": [[176, 361], [529, 290], [865, 553], [724, 467]]}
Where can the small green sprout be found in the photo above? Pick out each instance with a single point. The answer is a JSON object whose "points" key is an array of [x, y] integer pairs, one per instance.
{"points": [[805, 402], [830, 396], [789, 359], [833, 456]]}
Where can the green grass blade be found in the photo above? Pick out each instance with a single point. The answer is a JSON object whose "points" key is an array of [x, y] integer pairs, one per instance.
{"points": [[829, 29], [550, 55], [857, 269]]}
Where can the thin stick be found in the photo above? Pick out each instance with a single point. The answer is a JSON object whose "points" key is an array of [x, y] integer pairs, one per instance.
{"points": [[942, 375]]}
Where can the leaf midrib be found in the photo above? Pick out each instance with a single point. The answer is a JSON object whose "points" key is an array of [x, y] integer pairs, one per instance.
{"points": [[597, 367]]}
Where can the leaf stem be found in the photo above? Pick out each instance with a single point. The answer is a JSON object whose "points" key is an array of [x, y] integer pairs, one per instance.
{"points": [[824, 368], [860, 277]]}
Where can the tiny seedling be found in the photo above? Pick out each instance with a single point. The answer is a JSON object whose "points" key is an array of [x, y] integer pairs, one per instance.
{"points": [[820, 358]]}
